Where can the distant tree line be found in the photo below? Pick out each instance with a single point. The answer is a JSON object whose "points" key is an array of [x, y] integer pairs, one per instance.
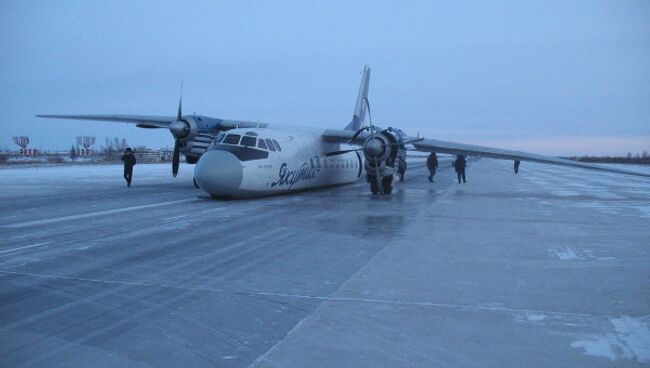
{"points": [[638, 159], [114, 148]]}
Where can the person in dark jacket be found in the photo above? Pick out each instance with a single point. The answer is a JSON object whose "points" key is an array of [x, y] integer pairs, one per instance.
{"points": [[517, 166], [432, 164], [459, 165], [129, 161]]}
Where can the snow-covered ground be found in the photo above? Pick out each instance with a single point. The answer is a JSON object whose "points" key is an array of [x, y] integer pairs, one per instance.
{"points": [[550, 267]]}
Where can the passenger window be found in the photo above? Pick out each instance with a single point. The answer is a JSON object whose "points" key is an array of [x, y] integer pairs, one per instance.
{"points": [[248, 141], [219, 137], [261, 144], [232, 139], [270, 144], [277, 145]]}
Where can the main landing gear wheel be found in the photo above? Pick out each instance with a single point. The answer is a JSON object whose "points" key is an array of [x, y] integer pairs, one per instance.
{"points": [[373, 185], [387, 184]]}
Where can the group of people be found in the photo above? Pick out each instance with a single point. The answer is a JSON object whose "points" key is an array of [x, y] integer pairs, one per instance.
{"points": [[432, 164], [459, 165]]}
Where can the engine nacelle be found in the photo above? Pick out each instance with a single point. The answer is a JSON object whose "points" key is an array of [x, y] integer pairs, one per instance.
{"points": [[185, 129], [380, 151]]}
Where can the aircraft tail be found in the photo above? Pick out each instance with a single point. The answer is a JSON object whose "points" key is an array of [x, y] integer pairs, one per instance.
{"points": [[360, 107]]}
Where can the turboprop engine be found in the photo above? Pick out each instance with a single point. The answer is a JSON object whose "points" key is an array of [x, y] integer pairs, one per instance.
{"points": [[381, 148], [183, 129], [380, 151]]}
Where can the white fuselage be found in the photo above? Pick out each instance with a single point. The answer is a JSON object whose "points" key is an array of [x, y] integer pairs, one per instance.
{"points": [[237, 165]]}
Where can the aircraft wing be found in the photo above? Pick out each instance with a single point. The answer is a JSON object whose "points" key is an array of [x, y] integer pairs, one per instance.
{"points": [[142, 121], [432, 145]]}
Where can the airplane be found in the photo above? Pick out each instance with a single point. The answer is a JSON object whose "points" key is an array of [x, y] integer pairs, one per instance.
{"points": [[243, 159]]}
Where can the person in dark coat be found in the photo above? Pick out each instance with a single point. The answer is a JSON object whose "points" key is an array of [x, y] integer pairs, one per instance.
{"points": [[432, 164], [517, 162], [459, 165], [129, 161]]}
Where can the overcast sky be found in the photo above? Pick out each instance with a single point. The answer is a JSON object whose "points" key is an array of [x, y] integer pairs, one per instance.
{"points": [[554, 77]]}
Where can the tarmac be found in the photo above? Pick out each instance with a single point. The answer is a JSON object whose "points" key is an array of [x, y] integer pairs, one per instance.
{"points": [[547, 268]]}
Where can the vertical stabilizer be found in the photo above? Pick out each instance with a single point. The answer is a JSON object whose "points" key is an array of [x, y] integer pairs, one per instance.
{"points": [[360, 107]]}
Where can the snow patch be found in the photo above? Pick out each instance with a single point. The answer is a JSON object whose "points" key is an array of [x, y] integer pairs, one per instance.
{"points": [[531, 317], [568, 254], [644, 209], [565, 193], [535, 317], [630, 339], [608, 208], [571, 254]]}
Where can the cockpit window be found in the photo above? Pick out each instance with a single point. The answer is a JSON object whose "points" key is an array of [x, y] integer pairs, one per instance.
{"points": [[219, 137], [269, 144], [261, 144], [248, 141], [232, 139], [277, 145], [252, 134]]}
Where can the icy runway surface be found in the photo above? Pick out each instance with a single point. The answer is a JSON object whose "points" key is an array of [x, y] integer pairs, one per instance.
{"points": [[547, 268]]}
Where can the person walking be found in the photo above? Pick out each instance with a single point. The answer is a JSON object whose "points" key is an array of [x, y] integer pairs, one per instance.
{"points": [[460, 165], [432, 164], [517, 162], [129, 161]]}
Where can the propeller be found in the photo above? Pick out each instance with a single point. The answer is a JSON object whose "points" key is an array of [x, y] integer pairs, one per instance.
{"points": [[179, 129], [359, 131], [176, 158], [335, 153], [373, 148]]}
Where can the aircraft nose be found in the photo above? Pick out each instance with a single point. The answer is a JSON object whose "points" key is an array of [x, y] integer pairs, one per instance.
{"points": [[219, 173]]}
